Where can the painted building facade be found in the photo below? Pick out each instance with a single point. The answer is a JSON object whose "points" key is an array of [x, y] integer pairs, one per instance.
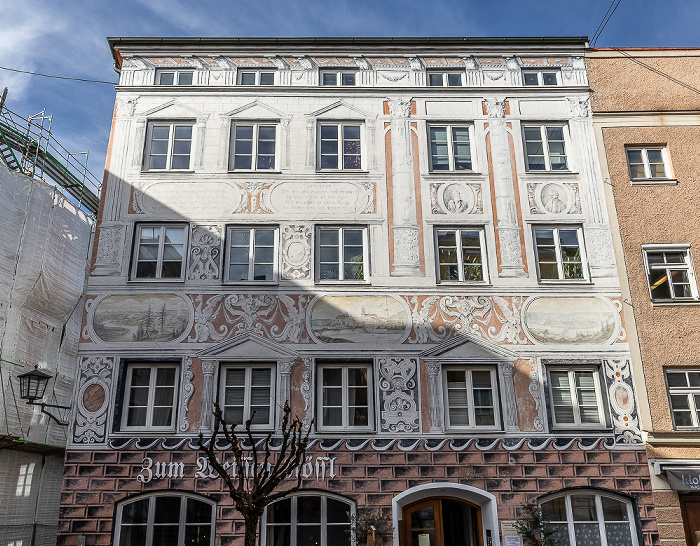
{"points": [[649, 134], [405, 239]]}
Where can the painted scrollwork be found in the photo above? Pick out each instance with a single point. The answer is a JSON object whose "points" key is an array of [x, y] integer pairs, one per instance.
{"points": [[109, 250], [618, 378], [187, 392], [306, 390], [397, 385], [95, 380], [218, 317], [205, 253], [535, 391], [296, 252]]}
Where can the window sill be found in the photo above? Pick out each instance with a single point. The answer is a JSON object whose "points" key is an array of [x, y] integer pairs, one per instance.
{"points": [[455, 173], [654, 182], [462, 283], [339, 282], [136, 280], [250, 283], [550, 173], [346, 430], [162, 171], [674, 303], [253, 171], [342, 171], [560, 282]]}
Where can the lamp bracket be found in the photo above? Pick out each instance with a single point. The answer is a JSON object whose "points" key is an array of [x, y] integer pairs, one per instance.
{"points": [[43, 407]]}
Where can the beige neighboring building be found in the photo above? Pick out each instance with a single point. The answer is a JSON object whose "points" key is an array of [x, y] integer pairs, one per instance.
{"points": [[646, 113]]}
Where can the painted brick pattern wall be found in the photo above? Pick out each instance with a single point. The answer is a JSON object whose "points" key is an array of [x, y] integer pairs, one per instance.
{"points": [[95, 481]]}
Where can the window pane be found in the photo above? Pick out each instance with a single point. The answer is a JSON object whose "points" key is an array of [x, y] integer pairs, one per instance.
{"points": [[348, 79], [166, 78], [198, 535], [279, 536], [135, 512], [583, 508], [267, 78], [132, 535], [308, 509], [167, 510], [329, 78], [587, 534], [338, 535], [248, 78], [454, 80], [309, 535], [184, 78], [530, 78], [678, 379], [554, 510], [658, 282], [614, 510], [435, 79], [618, 534], [165, 535], [280, 512], [549, 78]]}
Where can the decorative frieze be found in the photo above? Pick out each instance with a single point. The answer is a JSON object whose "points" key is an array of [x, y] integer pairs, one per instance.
{"points": [[398, 392], [205, 253], [186, 393], [94, 393]]}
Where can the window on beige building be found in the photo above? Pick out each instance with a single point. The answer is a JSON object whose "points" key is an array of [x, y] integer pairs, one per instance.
{"points": [[684, 396], [648, 163], [670, 273]]}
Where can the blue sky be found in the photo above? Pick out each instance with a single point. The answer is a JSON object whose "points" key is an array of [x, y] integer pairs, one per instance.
{"points": [[67, 38]]}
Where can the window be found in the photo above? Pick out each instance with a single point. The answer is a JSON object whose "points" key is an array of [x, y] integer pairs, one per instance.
{"points": [[150, 396], [252, 254], [684, 394], [256, 77], [169, 146], [442, 79], [345, 396], [575, 395], [540, 77], [159, 252], [247, 392], [545, 148], [460, 254], [670, 273], [174, 77], [165, 519], [450, 148], [334, 78], [583, 517], [341, 253], [340, 146], [253, 146], [302, 520], [649, 163], [559, 253], [471, 397]]}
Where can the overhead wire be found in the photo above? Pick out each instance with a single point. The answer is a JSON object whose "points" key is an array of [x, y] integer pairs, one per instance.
{"points": [[86, 80], [657, 71], [606, 19]]}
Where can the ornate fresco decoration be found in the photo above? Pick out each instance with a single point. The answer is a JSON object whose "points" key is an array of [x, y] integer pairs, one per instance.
{"points": [[186, 394], [324, 200], [296, 252], [209, 368], [622, 337], [393, 76], [492, 318], [307, 391], [618, 378], [127, 107], [580, 107], [554, 198], [397, 386], [110, 247], [456, 198], [95, 380], [599, 247], [254, 201], [221, 316], [205, 253], [215, 198], [536, 393]]}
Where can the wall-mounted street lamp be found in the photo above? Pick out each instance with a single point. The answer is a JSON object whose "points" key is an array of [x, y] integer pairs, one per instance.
{"points": [[32, 386]]}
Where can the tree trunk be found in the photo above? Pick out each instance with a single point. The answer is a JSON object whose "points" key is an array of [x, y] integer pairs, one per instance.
{"points": [[251, 528]]}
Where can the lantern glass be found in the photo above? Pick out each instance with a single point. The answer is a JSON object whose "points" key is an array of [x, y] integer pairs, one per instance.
{"points": [[33, 384]]}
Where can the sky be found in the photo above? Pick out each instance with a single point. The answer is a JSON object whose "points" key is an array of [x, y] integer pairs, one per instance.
{"points": [[68, 38]]}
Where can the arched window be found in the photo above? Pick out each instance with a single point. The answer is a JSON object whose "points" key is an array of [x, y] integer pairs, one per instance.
{"points": [[164, 519], [299, 520], [590, 518]]}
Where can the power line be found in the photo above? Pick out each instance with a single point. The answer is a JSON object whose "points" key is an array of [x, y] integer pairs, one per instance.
{"points": [[606, 19], [56, 77], [657, 71]]}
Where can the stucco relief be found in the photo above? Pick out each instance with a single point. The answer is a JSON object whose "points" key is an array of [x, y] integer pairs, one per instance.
{"points": [[397, 386], [536, 392], [456, 198], [307, 391], [554, 198], [95, 380], [492, 318], [205, 253], [393, 76], [296, 252], [221, 316], [599, 247], [571, 320], [580, 107], [110, 247], [405, 246], [618, 378], [496, 108]]}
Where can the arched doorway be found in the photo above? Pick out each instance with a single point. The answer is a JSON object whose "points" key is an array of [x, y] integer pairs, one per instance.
{"points": [[441, 521]]}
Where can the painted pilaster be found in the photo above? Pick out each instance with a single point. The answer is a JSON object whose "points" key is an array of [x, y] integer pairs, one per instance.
{"points": [[510, 411], [435, 395], [208, 369]]}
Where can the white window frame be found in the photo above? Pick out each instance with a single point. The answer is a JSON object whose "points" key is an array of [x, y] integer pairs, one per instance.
{"points": [[631, 519], [247, 413], [345, 427], [457, 230], [340, 151], [339, 77], [645, 160], [545, 145], [352, 509], [256, 141], [176, 72], [686, 266], [154, 367], [341, 254], [151, 515], [470, 396], [257, 72], [251, 254], [540, 77], [445, 79], [571, 373], [172, 126], [159, 260], [689, 392], [559, 256], [450, 146]]}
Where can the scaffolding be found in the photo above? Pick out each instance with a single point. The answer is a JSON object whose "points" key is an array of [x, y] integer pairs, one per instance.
{"points": [[27, 146]]}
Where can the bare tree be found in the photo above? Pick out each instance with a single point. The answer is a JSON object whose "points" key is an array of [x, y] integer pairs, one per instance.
{"points": [[254, 489]]}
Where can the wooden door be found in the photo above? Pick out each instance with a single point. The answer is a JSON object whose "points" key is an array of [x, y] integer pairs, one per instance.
{"points": [[690, 509], [441, 522]]}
